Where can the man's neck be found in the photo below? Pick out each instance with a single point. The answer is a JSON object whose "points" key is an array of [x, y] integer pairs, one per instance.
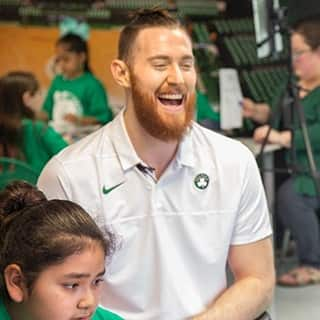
{"points": [[154, 152]]}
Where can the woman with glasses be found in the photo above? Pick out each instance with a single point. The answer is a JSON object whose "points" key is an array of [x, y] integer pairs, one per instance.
{"points": [[298, 200]]}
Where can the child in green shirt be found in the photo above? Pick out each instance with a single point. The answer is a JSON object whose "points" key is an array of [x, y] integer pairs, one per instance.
{"points": [[21, 136], [75, 96]]}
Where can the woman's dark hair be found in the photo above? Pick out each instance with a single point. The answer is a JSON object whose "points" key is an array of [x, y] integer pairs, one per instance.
{"points": [[36, 233], [75, 43], [12, 110], [310, 30]]}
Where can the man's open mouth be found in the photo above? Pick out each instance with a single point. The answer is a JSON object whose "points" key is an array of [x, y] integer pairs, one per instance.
{"points": [[175, 99]]}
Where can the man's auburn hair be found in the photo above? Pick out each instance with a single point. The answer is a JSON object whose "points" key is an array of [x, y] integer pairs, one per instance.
{"points": [[142, 19]]}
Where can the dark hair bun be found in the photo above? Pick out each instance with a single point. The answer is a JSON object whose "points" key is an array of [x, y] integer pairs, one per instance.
{"points": [[19, 195]]}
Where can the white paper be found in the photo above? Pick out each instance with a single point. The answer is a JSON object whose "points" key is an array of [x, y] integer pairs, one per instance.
{"points": [[230, 98]]}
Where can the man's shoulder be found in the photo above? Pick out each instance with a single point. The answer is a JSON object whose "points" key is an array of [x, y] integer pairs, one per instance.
{"points": [[217, 142], [96, 144]]}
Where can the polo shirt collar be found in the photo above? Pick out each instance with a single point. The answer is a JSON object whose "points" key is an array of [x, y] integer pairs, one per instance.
{"points": [[185, 154], [128, 156], [120, 139]]}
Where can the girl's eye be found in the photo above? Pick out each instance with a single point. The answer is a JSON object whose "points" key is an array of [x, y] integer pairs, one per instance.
{"points": [[71, 285], [98, 281]]}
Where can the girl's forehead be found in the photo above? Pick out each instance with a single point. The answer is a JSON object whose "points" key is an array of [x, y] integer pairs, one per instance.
{"points": [[90, 260], [66, 47]]}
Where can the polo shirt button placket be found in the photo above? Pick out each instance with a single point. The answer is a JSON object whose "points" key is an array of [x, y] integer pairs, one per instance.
{"points": [[156, 203]]}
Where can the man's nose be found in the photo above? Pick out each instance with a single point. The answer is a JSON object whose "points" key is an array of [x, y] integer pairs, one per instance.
{"points": [[175, 75]]}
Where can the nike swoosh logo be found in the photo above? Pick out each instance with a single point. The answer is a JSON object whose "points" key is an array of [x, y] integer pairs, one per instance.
{"points": [[106, 191]]}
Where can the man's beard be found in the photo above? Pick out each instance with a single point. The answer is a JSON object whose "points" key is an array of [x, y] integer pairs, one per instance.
{"points": [[163, 125]]}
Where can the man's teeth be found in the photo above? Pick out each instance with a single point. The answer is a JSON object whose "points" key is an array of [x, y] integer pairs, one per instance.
{"points": [[171, 96]]}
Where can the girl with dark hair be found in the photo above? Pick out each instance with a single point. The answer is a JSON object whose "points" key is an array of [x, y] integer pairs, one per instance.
{"points": [[52, 258], [21, 136], [75, 96]]}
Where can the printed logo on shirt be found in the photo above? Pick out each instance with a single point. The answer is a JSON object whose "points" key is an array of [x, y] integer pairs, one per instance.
{"points": [[201, 181], [65, 102], [108, 190]]}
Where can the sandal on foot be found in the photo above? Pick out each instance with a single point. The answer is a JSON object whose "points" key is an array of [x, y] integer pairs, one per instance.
{"points": [[301, 276]]}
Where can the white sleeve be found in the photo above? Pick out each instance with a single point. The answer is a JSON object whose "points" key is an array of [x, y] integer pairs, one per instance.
{"points": [[53, 181], [253, 220]]}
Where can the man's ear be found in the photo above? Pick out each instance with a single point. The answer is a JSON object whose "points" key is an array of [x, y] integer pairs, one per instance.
{"points": [[15, 283], [121, 73]]}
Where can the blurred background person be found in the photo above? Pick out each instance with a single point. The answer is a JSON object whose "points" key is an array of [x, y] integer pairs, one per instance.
{"points": [[297, 197], [75, 96], [21, 136]]}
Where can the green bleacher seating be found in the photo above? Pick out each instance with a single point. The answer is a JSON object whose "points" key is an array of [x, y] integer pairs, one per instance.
{"points": [[265, 85], [200, 8], [244, 53], [234, 26], [135, 4]]}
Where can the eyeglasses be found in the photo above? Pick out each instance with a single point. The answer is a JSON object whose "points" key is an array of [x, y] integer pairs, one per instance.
{"points": [[297, 54]]}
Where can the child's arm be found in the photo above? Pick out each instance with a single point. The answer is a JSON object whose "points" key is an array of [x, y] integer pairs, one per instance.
{"points": [[98, 104], [52, 141], [81, 121], [47, 107]]}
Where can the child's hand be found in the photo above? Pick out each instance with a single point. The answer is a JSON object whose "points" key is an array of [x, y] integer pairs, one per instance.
{"points": [[72, 118]]}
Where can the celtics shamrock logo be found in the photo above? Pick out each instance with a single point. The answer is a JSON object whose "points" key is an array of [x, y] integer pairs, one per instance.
{"points": [[201, 181]]}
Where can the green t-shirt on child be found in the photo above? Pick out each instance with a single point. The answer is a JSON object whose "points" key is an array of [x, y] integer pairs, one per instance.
{"points": [[82, 96], [100, 314]]}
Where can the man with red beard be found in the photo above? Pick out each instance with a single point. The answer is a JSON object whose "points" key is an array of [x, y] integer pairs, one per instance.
{"points": [[184, 201]]}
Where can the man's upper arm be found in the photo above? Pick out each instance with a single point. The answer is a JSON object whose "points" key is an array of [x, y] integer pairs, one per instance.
{"points": [[251, 251], [52, 182], [253, 220], [252, 260]]}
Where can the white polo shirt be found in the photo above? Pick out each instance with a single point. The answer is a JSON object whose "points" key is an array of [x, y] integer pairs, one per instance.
{"points": [[174, 234]]}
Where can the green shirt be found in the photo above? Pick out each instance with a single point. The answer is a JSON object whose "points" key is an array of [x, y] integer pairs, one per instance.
{"points": [[204, 109], [3, 312], [83, 96], [39, 143], [100, 314], [304, 183]]}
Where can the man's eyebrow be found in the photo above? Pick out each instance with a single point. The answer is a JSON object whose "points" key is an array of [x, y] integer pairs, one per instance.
{"points": [[159, 57], [75, 275], [167, 58], [188, 57]]}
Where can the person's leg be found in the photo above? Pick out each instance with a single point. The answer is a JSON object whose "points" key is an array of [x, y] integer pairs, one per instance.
{"points": [[279, 157], [297, 213]]}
